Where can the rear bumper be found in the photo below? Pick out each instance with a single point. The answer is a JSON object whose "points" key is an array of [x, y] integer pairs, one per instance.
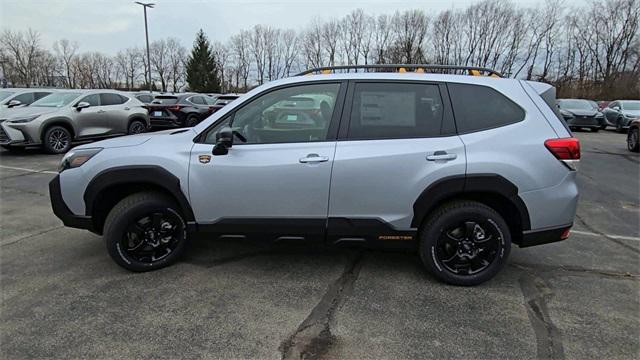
{"points": [[61, 210], [544, 236]]}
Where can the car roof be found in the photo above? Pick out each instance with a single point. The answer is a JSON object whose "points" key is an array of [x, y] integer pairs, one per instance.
{"points": [[28, 90]]}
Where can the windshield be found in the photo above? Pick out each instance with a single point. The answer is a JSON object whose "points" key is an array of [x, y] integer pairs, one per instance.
{"points": [[630, 105], [575, 104], [56, 99], [5, 94]]}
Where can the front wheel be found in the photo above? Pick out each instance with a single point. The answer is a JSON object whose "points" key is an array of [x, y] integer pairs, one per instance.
{"points": [[464, 243], [145, 231], [56, 140], [633, 141]]}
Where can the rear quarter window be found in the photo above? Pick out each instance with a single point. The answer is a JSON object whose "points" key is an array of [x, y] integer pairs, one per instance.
{"points": [[478, 107]]}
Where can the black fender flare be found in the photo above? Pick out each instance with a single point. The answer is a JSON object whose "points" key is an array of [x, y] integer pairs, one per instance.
{"points": [[137, 174], [459, 185]]}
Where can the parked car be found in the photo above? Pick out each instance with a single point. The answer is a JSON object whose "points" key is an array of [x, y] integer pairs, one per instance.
{"points": [[621, 113], [633, 138], [145, 97], [490, 165], [56, 120], [223, 100], [183, 110], [580, 113], [16, 98]]}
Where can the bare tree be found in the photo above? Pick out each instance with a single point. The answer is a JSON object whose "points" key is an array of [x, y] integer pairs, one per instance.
{"points": [[21, 50], [66, 51]]}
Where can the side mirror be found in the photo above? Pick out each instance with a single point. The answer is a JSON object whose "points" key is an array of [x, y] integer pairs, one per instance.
{"points": [[616, 108], [224, 141], [13, 103], [81, 105]]}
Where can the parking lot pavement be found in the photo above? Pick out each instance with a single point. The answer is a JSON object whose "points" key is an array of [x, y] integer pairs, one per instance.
{"points": [[63, 297]]}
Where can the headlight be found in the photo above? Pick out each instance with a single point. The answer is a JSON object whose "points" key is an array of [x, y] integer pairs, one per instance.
{"points": [[23, 120], [76, 158]]}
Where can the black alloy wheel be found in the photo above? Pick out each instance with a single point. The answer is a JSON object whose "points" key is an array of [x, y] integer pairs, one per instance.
{"points": [[153, 237], [470, 247], [464, 243]]}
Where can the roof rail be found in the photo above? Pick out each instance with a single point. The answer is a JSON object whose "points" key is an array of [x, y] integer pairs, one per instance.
{"points": [[419, 68]]}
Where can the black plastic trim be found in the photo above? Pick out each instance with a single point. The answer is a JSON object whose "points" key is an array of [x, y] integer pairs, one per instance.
{"points": [[312, 228], [61, 210], [543, 236], [455, 185], [136, 174]]}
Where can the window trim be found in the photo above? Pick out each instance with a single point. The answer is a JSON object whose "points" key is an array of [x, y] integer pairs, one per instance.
{"points": [[332, 131], [447, 126], [524, 111]]}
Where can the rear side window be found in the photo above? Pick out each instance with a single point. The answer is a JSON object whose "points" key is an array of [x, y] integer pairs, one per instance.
{"points": [[395, 110], [145, 98], [479, 107], [196, 100], [111, 99]]}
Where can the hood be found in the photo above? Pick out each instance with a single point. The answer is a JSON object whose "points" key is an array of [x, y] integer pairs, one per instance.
{"points": [[582, 112], [133, 140], [25, 111]]}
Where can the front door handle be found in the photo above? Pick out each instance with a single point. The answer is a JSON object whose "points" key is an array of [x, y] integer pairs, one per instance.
{"points": [[313, 158], [441, 156], [100, 112]]}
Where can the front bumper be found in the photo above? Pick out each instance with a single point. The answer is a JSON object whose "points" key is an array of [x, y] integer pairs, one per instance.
{"points": [[14, 137], [61, 210]]}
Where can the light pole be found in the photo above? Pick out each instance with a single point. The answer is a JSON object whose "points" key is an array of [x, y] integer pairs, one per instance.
{"points": [[146, 32]]}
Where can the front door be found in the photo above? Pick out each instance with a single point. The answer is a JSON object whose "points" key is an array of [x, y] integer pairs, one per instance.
{"points": [[92, 121], [275, 178]]}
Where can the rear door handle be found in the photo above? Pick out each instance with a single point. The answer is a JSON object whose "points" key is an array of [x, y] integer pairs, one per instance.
{"points": [[313, 158], [441, 156]]}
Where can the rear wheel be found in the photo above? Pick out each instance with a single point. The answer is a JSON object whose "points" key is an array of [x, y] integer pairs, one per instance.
{"points": [[192, 120], [145, 231], [464, 243], [56, 140], [136, 127], [633, 141]]}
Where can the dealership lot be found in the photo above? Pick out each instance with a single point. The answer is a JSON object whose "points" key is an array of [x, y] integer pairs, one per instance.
{"points": [[62, 295]]}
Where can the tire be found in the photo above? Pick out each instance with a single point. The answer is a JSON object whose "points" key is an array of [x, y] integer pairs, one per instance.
{"points": [[595, 130], [136, 127], [57, 140], [633, 140], [134, 228], [192, 120], [445, 257]]}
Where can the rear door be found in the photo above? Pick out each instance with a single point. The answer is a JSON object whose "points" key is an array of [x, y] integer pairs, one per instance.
{"points": [[115, 111], [396, 138]]}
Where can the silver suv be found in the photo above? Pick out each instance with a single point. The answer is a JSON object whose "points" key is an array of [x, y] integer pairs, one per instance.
{"points": [[455, 167], [56, 120]]}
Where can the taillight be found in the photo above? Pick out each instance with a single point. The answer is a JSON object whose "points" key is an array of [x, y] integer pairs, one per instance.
{"points": [[175, 108], [566, 150]]}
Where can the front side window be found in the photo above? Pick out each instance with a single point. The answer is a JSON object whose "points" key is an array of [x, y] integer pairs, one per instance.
{"points": [[275, 117], [395, 110], [93, 100], [40, 95], [111, 99], [479, 107], [26, 98], [145, 98]]}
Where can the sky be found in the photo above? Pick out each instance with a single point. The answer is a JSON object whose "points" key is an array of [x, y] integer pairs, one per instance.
{"points": [[111, 25]]}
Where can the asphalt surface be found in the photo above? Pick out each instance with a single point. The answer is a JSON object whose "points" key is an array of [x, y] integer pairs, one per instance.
{"points": [[63, 297]]}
